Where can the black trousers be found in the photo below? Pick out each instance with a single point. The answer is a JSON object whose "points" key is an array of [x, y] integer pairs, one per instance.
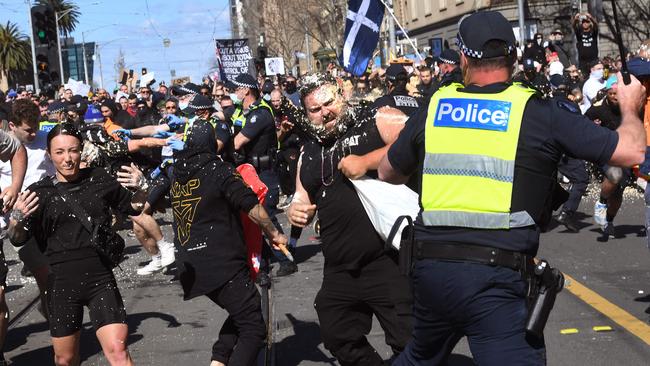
{"points": [[242, 334], [346, 303]]}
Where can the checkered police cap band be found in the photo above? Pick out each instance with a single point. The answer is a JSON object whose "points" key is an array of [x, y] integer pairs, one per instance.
{"points": [[447, 61], [198, 106], [187, 90], [474, 53], [244, 85], [57, 110]]}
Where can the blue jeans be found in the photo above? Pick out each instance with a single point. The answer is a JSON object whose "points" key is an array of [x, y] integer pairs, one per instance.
{"points": [[486, 304], [271, 180]]}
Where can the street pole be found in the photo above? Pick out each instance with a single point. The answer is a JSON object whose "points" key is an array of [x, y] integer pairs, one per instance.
{"points": [[522, 32], [37, 89], [392, 41], [83, 54], [309, 55], [101, 72], [58, 45]]}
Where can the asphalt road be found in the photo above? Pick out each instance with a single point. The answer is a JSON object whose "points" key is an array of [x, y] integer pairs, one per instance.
{"points": [[165, 330]]}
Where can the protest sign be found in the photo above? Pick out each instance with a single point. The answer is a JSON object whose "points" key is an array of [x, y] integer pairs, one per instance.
{"points": [[234, 57], [274, 65]]}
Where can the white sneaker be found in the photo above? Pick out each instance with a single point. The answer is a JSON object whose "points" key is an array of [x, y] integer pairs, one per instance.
{"points": [[154, 266], [166, 253], [600, 213]]}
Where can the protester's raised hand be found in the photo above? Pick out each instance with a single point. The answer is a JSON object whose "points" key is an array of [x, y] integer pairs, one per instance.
{"points": [[26, 204], [630, 97], [130, 176]]}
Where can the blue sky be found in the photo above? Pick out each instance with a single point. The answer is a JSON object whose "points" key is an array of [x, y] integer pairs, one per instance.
{"points": [[190, 25]]}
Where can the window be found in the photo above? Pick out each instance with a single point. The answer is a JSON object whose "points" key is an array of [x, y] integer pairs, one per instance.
{"points": [[413, 7], [442, 4], [427, 7]]}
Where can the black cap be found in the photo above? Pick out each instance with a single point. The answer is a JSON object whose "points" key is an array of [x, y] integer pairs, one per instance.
{"points": [[199, 102], [449, 56], [481, 27], [557, 80], [188, 88], [56, 107], [242, 81], [267, 87], [393, 70]]}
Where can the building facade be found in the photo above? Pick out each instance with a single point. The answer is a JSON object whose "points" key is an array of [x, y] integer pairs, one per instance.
{"points": [[73, 64], [434, 23]]}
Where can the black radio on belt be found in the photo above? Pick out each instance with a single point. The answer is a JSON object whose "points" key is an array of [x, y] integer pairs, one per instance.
{"points": [[550, 281]]}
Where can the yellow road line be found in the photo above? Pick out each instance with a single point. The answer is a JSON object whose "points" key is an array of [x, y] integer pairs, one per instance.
{"points": [[618, 315]]}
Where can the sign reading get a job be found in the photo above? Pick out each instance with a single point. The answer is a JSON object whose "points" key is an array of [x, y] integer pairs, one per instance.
{"points": [[274, 65]]}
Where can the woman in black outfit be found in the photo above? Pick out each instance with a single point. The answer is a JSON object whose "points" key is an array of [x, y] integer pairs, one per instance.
{"points": [[207, 198], [79, 276]]}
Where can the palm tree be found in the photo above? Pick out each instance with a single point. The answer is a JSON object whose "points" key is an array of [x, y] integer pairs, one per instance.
{"points": [[15, 52], [69, 21]]}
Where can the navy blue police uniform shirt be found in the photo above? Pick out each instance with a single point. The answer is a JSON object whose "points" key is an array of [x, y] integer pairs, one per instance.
{"points": [[399, 100], [549, 129], [260, 130]]}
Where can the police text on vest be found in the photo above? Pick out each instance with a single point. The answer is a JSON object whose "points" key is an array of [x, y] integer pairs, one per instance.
{"points": [[473, 113]]}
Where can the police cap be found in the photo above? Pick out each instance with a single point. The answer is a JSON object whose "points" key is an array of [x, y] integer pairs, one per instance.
{"points": [[476, 30], [56, 107], [199, 102], [393, 70], [242, 81], [449, 56]]}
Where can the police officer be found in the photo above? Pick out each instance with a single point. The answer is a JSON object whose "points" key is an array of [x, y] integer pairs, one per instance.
{"points": [[56, 113], [397, 97], [256, 140], [449, 64], [488, 155]]}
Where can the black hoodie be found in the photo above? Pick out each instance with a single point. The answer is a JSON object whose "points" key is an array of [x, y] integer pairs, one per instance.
{"points": [[207, 197]]}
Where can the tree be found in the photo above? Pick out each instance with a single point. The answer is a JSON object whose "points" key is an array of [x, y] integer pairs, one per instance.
{"points": [[15, 53], [68, 22]]}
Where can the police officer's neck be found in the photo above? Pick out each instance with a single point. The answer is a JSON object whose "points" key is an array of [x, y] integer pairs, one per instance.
{"points": [[248, 100], [487, 76]]}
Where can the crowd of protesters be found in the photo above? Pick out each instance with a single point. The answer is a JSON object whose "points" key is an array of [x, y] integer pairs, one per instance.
{"points": [[143, 150]]}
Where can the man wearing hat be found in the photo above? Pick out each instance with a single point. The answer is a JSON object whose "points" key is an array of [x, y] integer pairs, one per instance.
{"points": [[256, 142], [397, 97], [486, 154], [449, 64], [56, 113]]}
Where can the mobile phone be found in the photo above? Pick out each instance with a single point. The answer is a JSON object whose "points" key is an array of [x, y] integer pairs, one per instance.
{"points": [[125, 77], [144, 71], [131, 74]]}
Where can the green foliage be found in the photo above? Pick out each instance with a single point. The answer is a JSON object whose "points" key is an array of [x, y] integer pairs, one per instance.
{"points": [[69, 21], [15, 51]]}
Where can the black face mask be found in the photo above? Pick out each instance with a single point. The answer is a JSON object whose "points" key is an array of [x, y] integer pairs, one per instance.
{"points": [[290, 88]]}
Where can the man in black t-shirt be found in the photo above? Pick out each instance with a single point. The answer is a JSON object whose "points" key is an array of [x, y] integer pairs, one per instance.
{"points": [[361, 278], [586, 29]]}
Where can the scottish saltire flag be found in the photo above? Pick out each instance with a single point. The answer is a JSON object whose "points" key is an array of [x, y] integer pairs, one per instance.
{"points": [[361, 34]]}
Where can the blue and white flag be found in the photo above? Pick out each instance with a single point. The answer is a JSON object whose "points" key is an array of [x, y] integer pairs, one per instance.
{"points": [[361, 34]]}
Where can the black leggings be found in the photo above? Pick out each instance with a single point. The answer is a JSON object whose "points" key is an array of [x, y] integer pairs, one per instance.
{"points": [[75, 284], [242, 334]]}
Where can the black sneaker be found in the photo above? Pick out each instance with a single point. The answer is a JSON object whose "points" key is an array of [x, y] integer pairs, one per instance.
{"points": [[569, 221], [286, 268], [610, 230]]}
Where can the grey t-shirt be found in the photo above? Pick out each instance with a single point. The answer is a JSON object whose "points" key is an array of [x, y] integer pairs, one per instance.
{"points": [[8, 146]]}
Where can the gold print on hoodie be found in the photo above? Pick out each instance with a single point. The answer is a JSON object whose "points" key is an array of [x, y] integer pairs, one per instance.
{"points": [[184, 207]]}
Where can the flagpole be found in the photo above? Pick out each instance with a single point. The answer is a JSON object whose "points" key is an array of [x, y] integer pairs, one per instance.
{"points": [[390, 11]]}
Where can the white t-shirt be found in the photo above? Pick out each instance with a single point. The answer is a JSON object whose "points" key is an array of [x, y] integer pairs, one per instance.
{"points": [[590, 90], [38, 165]]}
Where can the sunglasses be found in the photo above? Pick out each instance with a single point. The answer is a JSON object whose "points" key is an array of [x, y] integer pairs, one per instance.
{"points": [[145, 92], [170, 107]]}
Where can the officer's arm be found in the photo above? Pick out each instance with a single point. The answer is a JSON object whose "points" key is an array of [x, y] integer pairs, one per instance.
{"points": [[631, 146], [389, 174], [240, 141], [219, 145]]}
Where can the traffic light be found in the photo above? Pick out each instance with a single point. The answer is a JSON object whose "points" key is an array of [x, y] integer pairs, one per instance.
{"points": [[45, 45]]}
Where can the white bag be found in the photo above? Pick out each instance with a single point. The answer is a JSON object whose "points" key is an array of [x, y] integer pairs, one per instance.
{"points": [[384, 203]]}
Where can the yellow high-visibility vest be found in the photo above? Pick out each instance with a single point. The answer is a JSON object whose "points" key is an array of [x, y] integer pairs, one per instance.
{"points": [[470, 146]]}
